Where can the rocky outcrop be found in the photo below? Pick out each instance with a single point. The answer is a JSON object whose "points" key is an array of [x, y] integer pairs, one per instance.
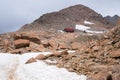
{"points": [[21, 43], [100, 60]]}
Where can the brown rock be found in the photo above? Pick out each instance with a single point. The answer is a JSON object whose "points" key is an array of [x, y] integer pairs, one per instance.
{"points": [[31, 37], [57, 54], [6, 42], [53, 44], [64, 52], [117, 45], [20, 43], [31, 60], [17, 36], [20, 50], [115, 54], [45, 43], [63, 45], [42, 48], [34, 47], [106, 36], [16, 51], [40, 57], [96, 48], [101, 76]]}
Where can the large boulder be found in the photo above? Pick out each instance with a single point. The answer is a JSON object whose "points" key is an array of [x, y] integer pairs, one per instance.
{"points": [[32, 37], [20, 43], [29, 36]]}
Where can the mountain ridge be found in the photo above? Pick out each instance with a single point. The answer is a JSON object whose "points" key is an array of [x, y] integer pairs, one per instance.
{"points": [[112, 19], [67, 17]]}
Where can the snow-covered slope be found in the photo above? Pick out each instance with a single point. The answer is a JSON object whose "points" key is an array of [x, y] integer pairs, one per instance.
{"points": [[13, 67]]}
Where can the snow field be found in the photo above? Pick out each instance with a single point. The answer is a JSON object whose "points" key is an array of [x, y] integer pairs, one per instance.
{"points": [[13, 67]]}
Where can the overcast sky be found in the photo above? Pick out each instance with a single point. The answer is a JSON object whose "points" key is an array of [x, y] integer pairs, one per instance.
{"points": [[15, 13]]}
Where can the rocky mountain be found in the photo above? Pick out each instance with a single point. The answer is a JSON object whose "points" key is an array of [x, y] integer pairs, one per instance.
{"points": [[67, 17], [113, 20]]}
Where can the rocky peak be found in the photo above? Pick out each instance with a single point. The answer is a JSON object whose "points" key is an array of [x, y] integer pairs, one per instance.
{"points": [[112, 19], [67, 17]]}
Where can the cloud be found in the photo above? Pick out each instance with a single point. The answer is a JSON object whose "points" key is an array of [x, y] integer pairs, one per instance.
{"points": [[15, 13]]}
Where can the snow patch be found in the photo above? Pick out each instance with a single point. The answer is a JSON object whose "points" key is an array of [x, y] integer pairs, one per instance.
{"points": [[13, 67], [86, 29], [88, 22], [82, 27]]}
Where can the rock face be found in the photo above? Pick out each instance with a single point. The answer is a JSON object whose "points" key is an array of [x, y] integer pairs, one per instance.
{"points": [[67, 17]]}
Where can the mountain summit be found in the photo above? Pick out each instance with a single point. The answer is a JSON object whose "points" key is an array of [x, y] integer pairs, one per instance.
{"points": [[113, 20], [67, 17]]}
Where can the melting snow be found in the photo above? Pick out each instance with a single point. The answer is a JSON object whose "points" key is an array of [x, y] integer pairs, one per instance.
{"points": [[86, 28], [13, 67], [88, 22], [82, 27]]}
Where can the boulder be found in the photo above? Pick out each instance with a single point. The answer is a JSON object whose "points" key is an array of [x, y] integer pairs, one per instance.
{"points": [[31, 37], [42, 48], [96, 48], [64, 52], [117, 45], [17, 36], [28, 36], [53, 44], [63, 45], [34, 46], [20, 50], [16, 51], [45, 43], [101, 76], [115, 54], [57, 54], [40, 57], [31, 60], [21, 43], [6, 42]]}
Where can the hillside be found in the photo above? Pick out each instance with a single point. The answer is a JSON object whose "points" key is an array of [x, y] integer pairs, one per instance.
{"points": [[67, 17]]}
